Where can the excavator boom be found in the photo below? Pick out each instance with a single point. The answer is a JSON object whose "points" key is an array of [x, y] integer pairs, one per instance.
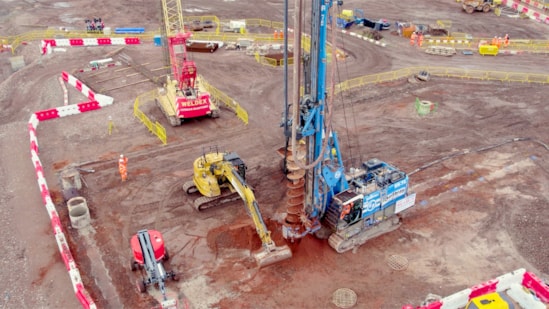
{"points": [[221, 177], [270, 253]]}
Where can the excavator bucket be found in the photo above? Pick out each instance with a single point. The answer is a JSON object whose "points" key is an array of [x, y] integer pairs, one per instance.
{"points": [[266, 257]]}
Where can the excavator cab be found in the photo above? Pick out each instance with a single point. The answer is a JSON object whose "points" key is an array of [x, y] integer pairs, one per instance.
{"points": [[237, 163]]}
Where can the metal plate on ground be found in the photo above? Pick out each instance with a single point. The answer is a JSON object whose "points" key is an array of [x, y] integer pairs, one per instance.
{"points": [[397, 262], [344, 298]]}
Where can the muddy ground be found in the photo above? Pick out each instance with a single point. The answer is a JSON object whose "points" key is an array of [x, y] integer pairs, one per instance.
{"points": [[478, 215]]}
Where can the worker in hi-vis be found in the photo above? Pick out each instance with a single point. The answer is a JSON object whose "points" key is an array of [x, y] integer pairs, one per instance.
{"points": [[123, 167], [413, 39]]}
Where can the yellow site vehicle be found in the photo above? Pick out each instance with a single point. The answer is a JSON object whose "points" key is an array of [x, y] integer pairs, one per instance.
{"points": [[219, 177], [470, 6]]}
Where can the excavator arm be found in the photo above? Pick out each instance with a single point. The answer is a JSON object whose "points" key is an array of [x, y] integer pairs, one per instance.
{"points": [[250, 202], [270, 253]]}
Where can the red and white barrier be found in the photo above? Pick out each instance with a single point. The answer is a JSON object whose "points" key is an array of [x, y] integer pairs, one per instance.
{"points": [[47, 44], [522, 286], [73, 81], [509, 52], [527, 9], [536, 4], [62, 244], [65, 92]]}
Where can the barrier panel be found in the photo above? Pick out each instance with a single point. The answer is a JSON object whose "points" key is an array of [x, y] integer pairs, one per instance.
{"points": [[155, 128], [520, 285], [268, 61], [219, 96], [537, 78]]}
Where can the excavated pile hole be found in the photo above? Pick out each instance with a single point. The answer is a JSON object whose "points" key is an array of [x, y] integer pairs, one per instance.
{"points": [[242, 236]]}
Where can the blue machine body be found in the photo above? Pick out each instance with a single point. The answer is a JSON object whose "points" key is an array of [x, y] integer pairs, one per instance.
{"points": [[346, 203]]}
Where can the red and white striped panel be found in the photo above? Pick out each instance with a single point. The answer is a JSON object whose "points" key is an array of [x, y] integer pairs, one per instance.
{"points": [[536, 4], [522, 286], [73, 81], [510, 52], [529, 9], [70, 264], [87, 42], [97, 102]]}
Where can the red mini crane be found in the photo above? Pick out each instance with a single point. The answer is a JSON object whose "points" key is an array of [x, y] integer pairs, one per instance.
{"points": [[180, 98]]}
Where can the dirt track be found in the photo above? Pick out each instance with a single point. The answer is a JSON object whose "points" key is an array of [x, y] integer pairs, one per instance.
{"points": [[477, 215]]}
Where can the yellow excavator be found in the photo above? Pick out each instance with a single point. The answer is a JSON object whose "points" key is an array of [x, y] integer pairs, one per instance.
{"points": [[470, 6], [219, 177]]}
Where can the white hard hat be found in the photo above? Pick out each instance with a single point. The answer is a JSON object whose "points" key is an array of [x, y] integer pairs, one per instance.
{"points": [[121, 156]]}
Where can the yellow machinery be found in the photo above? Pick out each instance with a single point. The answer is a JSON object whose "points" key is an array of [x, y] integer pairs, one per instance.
{"points": [[219, 177], [493, 300], [470, 6]]}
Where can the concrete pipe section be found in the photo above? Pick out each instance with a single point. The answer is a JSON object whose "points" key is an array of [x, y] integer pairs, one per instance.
{"points": [[79, 212]]}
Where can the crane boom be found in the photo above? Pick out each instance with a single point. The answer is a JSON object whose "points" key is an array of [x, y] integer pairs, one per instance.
{"points": [[173, 17], [183, 71]]}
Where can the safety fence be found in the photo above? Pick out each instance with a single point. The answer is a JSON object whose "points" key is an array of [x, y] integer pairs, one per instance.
{"points": [[160, 131], [155, 128], [470, 42], [218, 35], [273, 62], [456, 39], [15, 41], [502, 76], [219, 96]]}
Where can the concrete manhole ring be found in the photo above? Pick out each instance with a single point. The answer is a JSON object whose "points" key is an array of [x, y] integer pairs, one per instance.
{"points": [[344, 298], [397, 262]]}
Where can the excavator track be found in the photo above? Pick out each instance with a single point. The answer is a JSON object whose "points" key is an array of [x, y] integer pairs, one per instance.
{"points": [[202, 203], [342, 244], [215, 113], [173, 120], [189, 187]]}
